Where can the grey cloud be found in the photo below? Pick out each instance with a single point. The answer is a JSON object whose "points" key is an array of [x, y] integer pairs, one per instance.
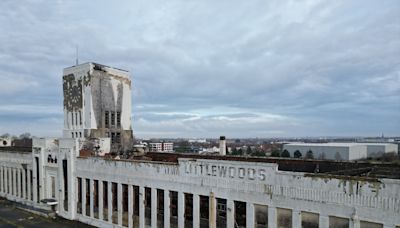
{"points": [[314, 64]]}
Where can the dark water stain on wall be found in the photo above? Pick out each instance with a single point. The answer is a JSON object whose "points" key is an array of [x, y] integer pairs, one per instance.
{"points": [[72, 89]]}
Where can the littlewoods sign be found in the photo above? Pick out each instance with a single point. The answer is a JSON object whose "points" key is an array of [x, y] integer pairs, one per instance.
{"points": [[225, 171]]}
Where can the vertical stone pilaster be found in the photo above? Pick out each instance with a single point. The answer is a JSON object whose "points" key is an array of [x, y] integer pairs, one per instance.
{"points": [[249, 215], [91, 201], [35, 180], [212, 211], [19, 192], [29, 185], [230, 213], [296, 218], [181, 210], [7, 181], [84, 196], [323, 221], [14, 171], [355, 221], [3, 176], [130, 206], [167, 202], [141, 207], [101, 199], [10, 181], [23, 184], [154, 208], [272, 217], [60, 189], [72, 185], [1, 179], [196, 211]]}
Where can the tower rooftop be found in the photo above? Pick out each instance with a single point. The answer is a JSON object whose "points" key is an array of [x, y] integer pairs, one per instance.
{"points": [[95, 66]]}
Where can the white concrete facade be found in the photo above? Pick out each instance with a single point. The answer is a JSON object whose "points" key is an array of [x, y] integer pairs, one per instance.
{"points": [[355, 200]]}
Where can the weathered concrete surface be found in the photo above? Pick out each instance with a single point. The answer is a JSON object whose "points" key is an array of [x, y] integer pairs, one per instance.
{"points": [[289, 198], [97, 104]]}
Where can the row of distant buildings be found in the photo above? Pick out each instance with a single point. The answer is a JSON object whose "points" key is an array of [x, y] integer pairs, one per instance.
{"points": [[325, 151]]}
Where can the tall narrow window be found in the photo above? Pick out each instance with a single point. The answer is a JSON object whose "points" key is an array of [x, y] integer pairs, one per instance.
{"points": [[106, 119], [30, 197], [72, 119], [112, 118], [114, 190], [53, 187], [88, 190], [112, 137], [37, 178], [118, 119], [79, 202], [65, 176], [118, 137], [105, 200], [76, 119], [96, 199], [80, 118]]}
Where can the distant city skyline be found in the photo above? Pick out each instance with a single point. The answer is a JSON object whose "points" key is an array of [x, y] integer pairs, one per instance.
{"points": [[208, 68]]}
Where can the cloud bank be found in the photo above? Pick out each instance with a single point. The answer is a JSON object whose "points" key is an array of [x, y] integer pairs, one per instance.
{"points": [[210, 68]]}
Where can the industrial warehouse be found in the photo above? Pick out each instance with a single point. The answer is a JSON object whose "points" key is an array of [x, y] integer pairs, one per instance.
{"points": [[92, 175], [341, 151]]}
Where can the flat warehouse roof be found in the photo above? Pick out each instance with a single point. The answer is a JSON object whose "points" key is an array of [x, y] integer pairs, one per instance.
{"points": [[326, 144]]}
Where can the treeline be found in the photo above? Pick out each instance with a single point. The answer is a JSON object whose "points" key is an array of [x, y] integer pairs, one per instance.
{"points": [[274, 153], [25, 135]]}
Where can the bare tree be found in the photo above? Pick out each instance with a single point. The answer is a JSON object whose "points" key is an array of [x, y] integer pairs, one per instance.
{"points": [[25, 135], [5, 135]]}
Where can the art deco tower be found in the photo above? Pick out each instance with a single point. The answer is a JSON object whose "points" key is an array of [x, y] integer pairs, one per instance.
{"points": [[97, 104]]}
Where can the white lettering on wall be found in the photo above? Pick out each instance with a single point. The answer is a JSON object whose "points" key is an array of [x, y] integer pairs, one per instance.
{"points": [[225, 171]]}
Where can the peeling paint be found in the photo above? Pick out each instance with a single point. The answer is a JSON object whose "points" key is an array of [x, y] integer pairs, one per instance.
{"points": [[72, 93]]}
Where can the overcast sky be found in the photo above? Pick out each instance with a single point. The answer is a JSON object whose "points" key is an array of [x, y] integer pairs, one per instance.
{"points": [[206, 68]]}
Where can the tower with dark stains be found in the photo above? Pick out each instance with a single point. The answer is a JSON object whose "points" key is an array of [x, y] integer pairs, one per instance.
{"points": [[97, 104]]}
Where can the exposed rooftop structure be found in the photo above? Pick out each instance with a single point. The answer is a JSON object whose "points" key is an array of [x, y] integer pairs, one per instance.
{"points": [[315, 167], [98, 65]]}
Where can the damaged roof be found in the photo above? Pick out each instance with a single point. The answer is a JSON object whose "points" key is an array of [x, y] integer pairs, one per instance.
{"points": [[326, 167]]}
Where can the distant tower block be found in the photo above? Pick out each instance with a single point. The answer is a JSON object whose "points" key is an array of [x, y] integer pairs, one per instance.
{"points": [[222, 145], [97, 104]]}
